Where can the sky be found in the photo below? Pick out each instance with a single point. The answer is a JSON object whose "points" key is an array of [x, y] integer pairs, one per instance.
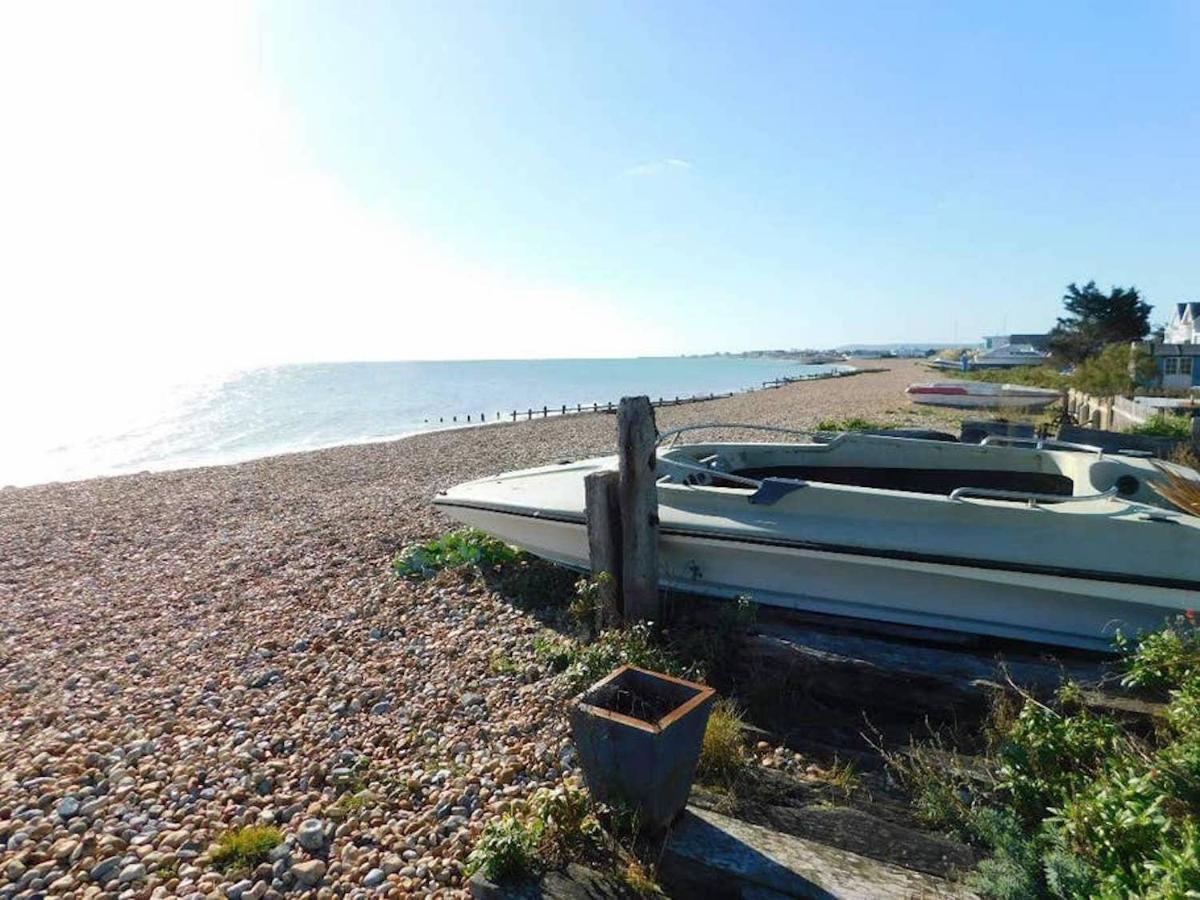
{"points": [[226, 184]]}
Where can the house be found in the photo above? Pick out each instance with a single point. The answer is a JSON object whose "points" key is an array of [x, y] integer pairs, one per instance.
{"points": [[1182, 329], [1177, 358], [1036, 341]]}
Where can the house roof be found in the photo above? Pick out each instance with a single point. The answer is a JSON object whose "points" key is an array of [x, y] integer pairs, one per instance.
{"points": [[1192, 308]]}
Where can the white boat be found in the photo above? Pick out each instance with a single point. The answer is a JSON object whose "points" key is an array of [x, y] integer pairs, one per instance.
{"points": [[1040, 543], [981, 395], [1009, 356]]}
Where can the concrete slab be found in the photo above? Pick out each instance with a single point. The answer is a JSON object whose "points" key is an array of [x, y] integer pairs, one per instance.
{"points": [[714, 856]]}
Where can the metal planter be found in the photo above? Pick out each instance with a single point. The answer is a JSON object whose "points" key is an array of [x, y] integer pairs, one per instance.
{"points": [[638, 734]]}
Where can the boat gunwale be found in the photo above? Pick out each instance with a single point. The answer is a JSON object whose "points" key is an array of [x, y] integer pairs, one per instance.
{"points": [[867, 552]]}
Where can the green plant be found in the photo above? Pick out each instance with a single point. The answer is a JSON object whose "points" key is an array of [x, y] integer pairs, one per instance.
{"points": [[723, 753], [506, 849], [501, 663], [1169, 426], [553, 651], [352, 803], [556, 826], [1034, 376], [1164, 659], [844, 776], [634, 645], [1107, 374], [244, 848], [854, 423], [464, 548]]}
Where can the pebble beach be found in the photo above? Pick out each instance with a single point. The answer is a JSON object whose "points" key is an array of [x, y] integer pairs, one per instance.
{"points": [[186, 653]]}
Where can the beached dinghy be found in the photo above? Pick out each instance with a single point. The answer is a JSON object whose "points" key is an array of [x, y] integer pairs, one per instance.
{"points": [[981, 395], [1050, 542]]}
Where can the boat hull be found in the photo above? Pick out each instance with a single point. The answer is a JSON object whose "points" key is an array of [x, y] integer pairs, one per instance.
{"points": [[1068, 609]]}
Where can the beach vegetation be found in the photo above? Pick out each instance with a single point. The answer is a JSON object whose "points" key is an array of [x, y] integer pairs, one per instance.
{"points": [[1034, 376], [555, 827], [1168, 426], [633, 645], [1114, 370], [501, 663], [1094, 319], [554, 651], [244, 848], [1073, 803], [723, 755], [854, 423], [464, 548]]}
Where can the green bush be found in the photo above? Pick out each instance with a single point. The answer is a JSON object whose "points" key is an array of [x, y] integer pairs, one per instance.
{"points": [[245, 848], [1034, 376], [1168, 426], [1081, 805], [464, 548], [557, 826], [634, 645]]}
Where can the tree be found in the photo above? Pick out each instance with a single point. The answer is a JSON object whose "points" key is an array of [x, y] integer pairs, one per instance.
{"points": [[1117, 370], [1095, 319]]}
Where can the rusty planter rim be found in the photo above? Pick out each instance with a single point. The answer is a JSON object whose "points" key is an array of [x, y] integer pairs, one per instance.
{"points": [[702, 695]]}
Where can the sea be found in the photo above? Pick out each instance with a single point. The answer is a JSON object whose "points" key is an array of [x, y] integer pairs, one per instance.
{"points": [[145, 424]]}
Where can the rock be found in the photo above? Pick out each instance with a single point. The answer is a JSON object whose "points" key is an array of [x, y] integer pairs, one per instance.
{"points": [[257, 892], [102, 871], [132, 872], [14, 869], [238, 890], [391, 864], [470, 699], [308, 874], [68, 807], [311, 835], [374, 878], [382, 708]]}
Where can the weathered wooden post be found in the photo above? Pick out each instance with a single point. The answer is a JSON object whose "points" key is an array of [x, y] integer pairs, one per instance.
{"points": [[1196, 433], [602, 505], [638, 492]]}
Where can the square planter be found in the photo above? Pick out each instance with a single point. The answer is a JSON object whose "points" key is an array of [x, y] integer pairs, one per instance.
{"points": [[638, 734]]}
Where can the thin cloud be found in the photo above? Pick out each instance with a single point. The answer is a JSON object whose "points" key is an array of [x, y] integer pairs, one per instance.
{"points": [[658, 167]]}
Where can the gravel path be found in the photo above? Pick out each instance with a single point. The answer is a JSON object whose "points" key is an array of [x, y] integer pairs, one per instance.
{"points": [[189, 652]]}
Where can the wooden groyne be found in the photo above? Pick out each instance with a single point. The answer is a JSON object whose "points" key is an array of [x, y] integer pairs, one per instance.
{"points": [[567, 409]]}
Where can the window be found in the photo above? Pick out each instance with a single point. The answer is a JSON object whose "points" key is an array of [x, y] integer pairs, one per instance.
{"points": [[1185, 365], [1170, 365]]}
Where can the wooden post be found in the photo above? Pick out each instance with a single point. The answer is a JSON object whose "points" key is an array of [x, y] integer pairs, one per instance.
{"points": [[1196, 433], [636, 436], [603, 509]]}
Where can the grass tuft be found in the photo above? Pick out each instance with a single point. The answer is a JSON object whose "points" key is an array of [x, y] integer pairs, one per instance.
{"points": [[245, 848], [723, 754]]}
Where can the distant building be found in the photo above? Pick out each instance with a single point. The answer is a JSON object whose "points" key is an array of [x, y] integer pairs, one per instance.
{"points": [[1036, 341], [1177, 358], [1182, 329]]}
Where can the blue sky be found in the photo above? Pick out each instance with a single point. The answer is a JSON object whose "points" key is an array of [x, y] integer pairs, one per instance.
{"points": [[554, 179]]}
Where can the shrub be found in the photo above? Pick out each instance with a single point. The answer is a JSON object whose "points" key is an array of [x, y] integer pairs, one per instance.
{"points": [[1082, 807], [505, 850], [554, 652], [557, 826], [634, 645], [464, 548], [1034, 376], [245, 848], [1168, 426]]}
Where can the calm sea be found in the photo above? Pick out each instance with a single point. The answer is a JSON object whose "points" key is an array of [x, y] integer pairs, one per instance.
{"points": [[137, 426]]}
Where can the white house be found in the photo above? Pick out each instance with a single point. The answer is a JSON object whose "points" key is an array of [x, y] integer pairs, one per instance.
{"points": [[1184, 327]]}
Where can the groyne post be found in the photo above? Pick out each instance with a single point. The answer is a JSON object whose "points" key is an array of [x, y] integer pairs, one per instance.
{"points": [[638, 493], [601, 493]]}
